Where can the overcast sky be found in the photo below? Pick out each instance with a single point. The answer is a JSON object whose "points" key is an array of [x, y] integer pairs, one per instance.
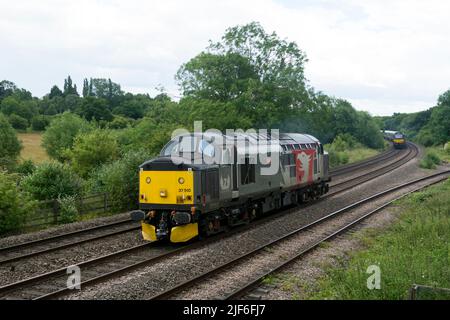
{"points": [[383, 56]]}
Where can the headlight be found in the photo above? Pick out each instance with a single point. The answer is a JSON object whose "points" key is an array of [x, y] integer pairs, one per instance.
{"points": [[148, 180], [180, 180]]}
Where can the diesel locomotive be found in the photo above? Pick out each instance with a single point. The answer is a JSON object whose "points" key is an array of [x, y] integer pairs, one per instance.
{"points": [[202, 184], [397, 138]]}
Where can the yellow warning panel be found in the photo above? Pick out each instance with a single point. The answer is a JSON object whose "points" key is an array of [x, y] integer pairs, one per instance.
{"points": [[166, 187]]}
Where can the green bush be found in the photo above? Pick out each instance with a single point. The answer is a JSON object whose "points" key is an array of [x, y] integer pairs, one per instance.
{"points": [[119, 123], [40, 122], [92, 149], [344, 142], [25, 168], [61, 133], [17, 122], [52, 180], [120, 179], [15, 206], [9, 144], [67, 209], [430, 160], [337, 158]]}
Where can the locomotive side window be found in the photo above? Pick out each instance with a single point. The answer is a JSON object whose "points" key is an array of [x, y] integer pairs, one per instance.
{"points": [[247, 172], [206, 148]]}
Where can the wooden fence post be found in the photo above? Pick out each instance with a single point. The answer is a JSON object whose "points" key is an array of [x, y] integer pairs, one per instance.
{"points": [[55, 211]]}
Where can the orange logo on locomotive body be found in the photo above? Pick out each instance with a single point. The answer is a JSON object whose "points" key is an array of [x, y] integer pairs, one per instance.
{"points": [[304, 165]]}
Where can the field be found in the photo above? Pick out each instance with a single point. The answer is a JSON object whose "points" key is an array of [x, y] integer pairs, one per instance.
{"points": [[32, 149], [414, 250]]}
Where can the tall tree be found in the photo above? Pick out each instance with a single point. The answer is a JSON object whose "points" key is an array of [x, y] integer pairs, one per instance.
{"points": [[262, 73], [69, 88], [55, 92], [85, 88], [9, 144]]}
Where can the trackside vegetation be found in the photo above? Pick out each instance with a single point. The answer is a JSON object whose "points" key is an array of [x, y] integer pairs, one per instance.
{"points": [[413, 250], [346, 149]]}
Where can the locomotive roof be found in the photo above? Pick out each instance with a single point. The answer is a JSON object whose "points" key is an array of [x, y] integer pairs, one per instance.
{"points": [[284, 138]]}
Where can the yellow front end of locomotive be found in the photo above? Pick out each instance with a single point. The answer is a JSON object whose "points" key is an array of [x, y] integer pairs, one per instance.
{"points": [[166, 187], [398, 141]]}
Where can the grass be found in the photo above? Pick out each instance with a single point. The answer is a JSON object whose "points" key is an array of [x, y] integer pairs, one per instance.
{"points": [[32, 149], [414, 250], [338, 158], [443, 154]]}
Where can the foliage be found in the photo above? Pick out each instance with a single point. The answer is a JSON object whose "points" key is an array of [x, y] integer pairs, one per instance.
{"points": [[430, 160], [346, 149], [131, 108], [69, 88], [120, 179], [25, 109], [119, 123], [92, 149], [15, 206], [25, 168], [17, 122], [55, 92], [95, 109], [52, 180], [60, 134], [260, 73], [10, 146], [40, 122], [68, 211]]}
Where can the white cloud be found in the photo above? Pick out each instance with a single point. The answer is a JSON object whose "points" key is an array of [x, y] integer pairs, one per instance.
{"points": [[383, 56]]}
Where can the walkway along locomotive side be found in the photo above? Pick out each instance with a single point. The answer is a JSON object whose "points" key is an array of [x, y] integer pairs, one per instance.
{"points": [[202, 183]]}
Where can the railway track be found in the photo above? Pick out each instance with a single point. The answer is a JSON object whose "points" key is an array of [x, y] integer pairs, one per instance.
{"points": [[364, 164], [345, 185], [46, 245], [249, 257], [111, 265]]}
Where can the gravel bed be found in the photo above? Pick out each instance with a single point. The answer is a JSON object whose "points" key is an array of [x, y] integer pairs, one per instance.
{"points": [[149, 280]]}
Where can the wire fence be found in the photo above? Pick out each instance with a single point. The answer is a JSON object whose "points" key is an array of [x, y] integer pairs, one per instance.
{"points": [[420, 292]]}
